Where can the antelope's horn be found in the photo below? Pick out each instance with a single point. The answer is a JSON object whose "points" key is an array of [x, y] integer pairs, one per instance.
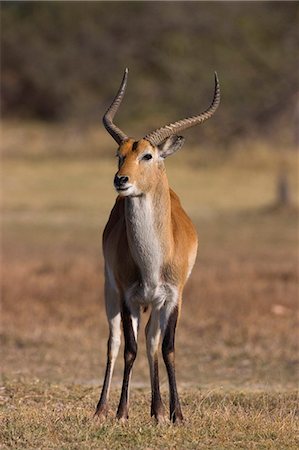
{"points": [[115, 132], [159, 135]]}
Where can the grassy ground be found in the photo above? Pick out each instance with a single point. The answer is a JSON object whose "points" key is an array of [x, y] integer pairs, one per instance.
{"points": [[237, 342], [42, 415]]}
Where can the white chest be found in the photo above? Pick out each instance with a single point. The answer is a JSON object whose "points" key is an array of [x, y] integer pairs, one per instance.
{"points": [[144, 238], [144, 242]]}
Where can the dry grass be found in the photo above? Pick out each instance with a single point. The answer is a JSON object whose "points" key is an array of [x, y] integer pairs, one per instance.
{"points": [[41, 415], [237, 343]]}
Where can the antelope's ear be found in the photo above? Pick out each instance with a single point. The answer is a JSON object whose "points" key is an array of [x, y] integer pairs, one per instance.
{"points": [[170, 145]]}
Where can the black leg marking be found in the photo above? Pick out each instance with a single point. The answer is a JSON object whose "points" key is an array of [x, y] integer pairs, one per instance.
{"points": [[168, 356], [130, 354], [157, 408], [102, 403], [152, 332]]}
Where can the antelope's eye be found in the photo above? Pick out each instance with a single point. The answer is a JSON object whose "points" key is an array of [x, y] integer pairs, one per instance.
{"points": [[147, 157]]}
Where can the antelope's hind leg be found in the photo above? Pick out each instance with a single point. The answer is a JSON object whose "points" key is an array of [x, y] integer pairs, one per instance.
{"points": [[169, 322], [153, 334], [114, 318]]}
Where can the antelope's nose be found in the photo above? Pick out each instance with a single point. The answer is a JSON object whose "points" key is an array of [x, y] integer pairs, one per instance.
{"points": [[120, 181]]}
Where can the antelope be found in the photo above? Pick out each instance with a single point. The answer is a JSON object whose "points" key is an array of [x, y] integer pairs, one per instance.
{"points": [[149, 247]]}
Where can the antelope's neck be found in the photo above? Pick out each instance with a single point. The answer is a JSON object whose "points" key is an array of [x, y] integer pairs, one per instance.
{"points": [[148, 223]]}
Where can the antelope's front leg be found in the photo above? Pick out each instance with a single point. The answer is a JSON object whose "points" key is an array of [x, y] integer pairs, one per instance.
{"points": [[153, 334], [130, 320], [114, 319], [169, 322]]}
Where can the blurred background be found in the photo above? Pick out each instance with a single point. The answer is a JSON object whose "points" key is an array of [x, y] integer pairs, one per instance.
{"points": [[61, 64]]}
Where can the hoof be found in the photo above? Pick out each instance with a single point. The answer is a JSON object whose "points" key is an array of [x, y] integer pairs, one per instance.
{"points": [[101, 412], [122, 419], [122, 415], [158, 412], [160, 419], [177, 417]]}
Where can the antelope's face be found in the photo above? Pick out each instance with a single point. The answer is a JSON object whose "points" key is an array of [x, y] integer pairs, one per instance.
{"points": [[140, 164]]}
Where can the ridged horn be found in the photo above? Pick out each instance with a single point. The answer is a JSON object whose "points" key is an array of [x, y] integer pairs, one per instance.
{"points": [[159, 135], [115, 132]]}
